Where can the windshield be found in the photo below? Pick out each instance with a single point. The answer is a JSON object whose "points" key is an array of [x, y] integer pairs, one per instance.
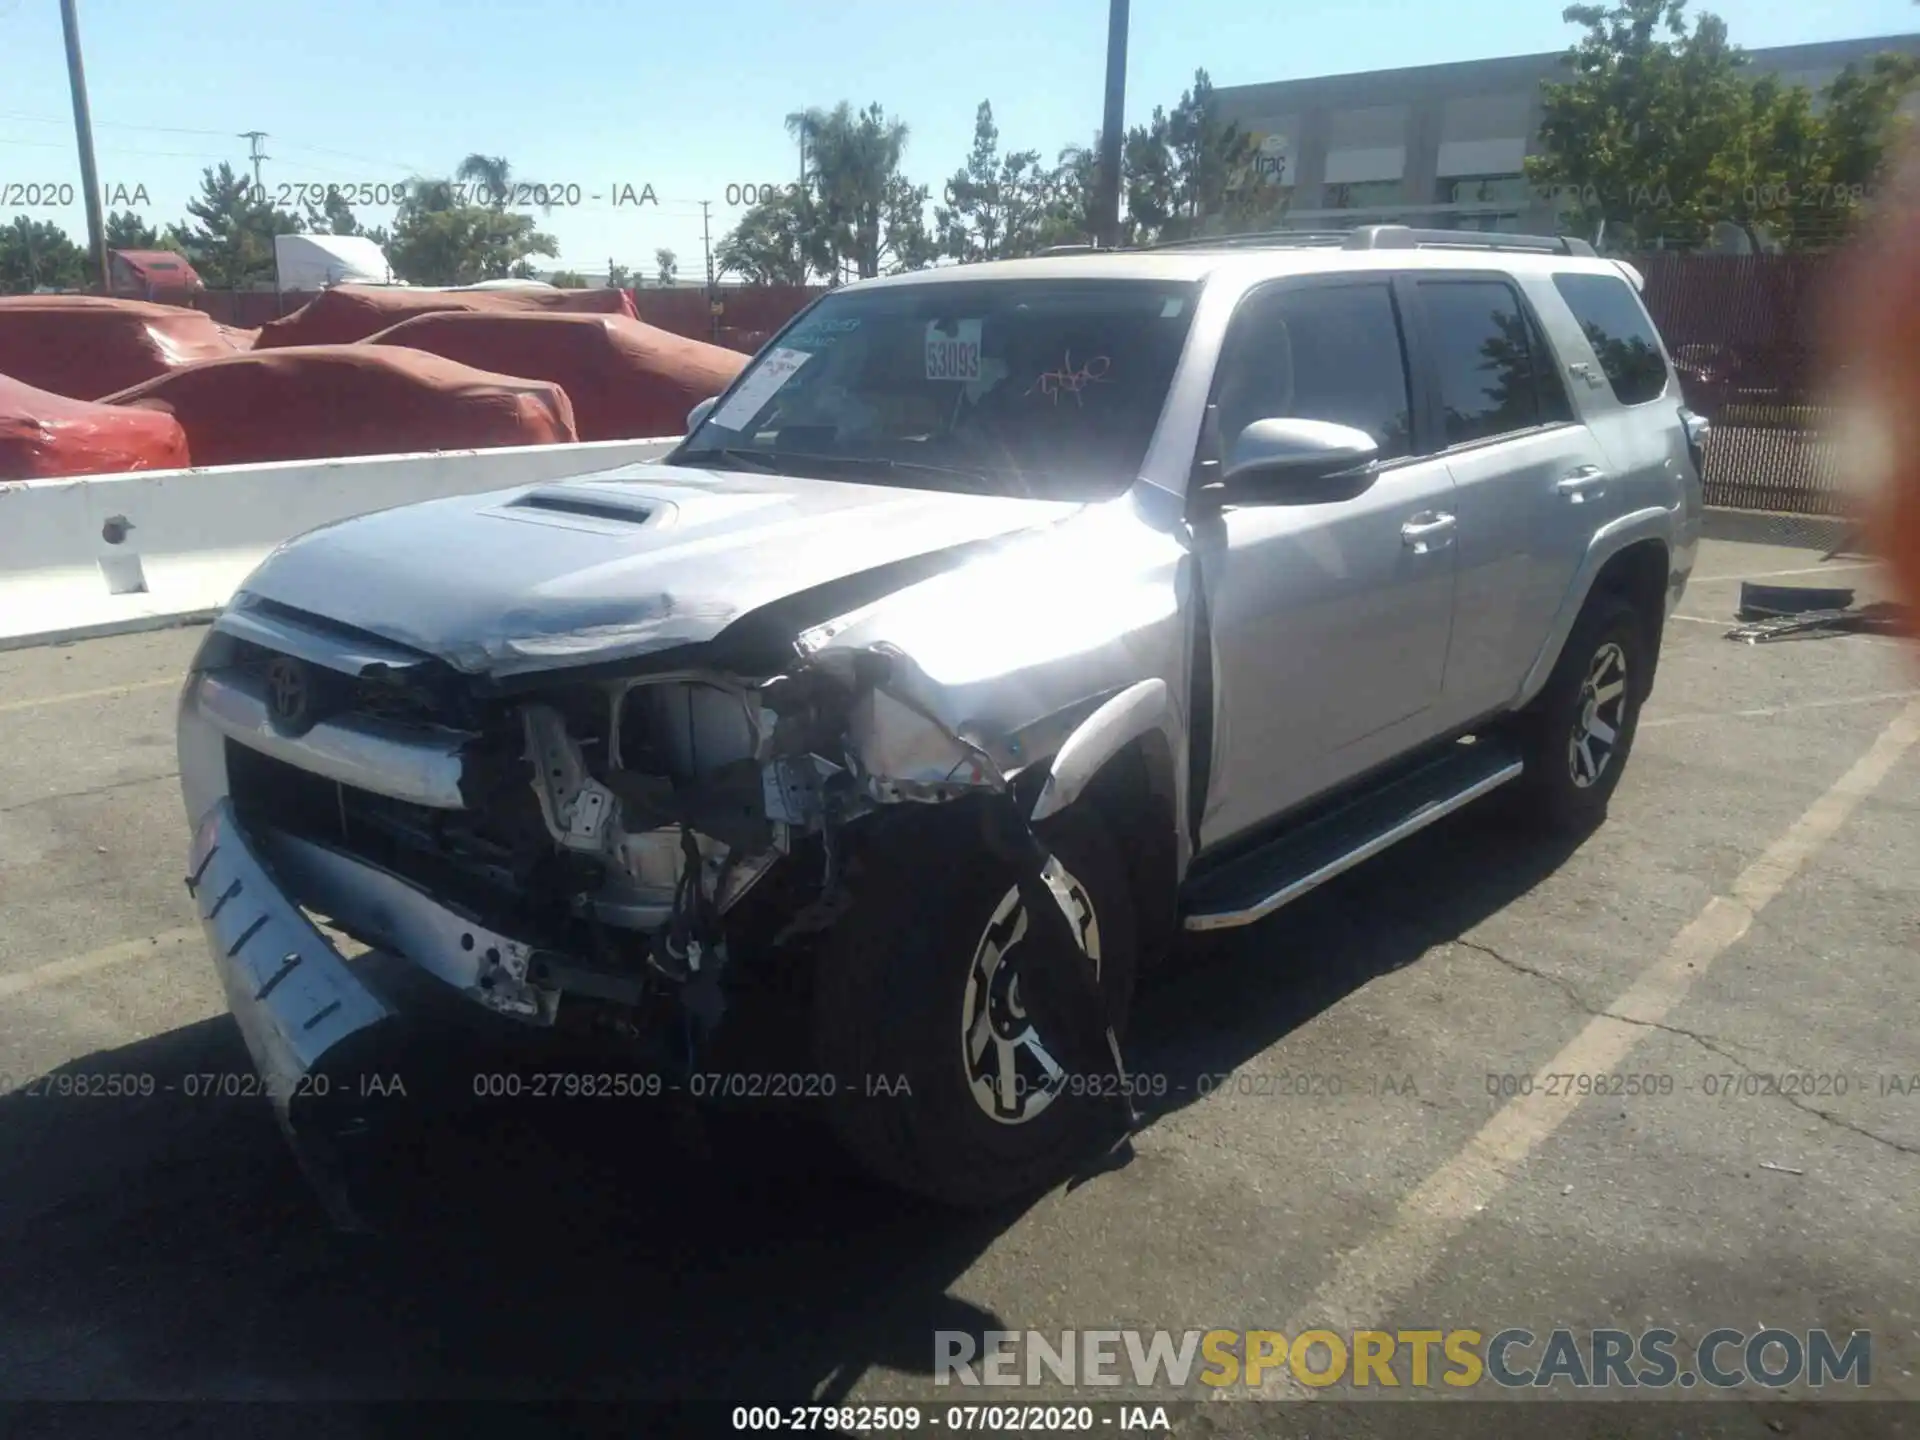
{"points": [[1044, 387]]}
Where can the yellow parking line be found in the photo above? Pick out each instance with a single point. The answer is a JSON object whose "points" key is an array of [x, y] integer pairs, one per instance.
{"points": [[37, 701], [74, 966], [1368, 1279]]}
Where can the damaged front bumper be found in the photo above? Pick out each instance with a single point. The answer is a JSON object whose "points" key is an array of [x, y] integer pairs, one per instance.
{"points": [[293, 995]]}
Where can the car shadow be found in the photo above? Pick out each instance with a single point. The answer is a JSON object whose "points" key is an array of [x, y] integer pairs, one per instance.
{"points": [[167, 1246], [1228, 996]]}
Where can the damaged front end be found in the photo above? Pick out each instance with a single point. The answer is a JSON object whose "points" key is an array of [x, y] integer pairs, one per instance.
{"points": [[609, 851]]}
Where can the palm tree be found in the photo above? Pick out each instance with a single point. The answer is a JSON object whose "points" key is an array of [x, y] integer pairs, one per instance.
{"points": [[491, 173], [853, 158]]}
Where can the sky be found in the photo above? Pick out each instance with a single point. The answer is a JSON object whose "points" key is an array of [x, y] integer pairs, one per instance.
{"points": [[601, 99]]}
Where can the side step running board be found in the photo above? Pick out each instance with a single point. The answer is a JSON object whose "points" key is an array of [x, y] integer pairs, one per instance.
{"points": [[1255, 885]]}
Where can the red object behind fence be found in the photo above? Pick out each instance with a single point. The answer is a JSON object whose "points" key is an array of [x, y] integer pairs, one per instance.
{"points": [[44, 436], [325, 401], [348, 313], [86, 346], [627, 380]]}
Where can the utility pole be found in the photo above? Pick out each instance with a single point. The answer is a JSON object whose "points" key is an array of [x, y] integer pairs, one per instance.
{"points": [[253, 139], [706, 244], [83, 130], [1106, 204]]}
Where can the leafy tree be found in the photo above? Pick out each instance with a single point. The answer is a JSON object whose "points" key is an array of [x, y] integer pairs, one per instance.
{"points": [[860, 215], [127, 231], [437, 241], [907, 243], [769, 245], [1862, 123], [1661, 133], [994, 203], [619, 277], [522, 270], [1066, 216], [1190, 172], [666, 265], [231, 246], [567, 280], [36, 253]]}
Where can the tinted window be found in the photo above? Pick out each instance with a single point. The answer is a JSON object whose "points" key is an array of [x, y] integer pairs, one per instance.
{"points": [[1493, 373], [1621, 334], [1317, 353]]}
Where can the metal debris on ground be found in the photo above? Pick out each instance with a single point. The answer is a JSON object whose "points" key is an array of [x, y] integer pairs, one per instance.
{"points": [[1783, 1169], [1778, 612]]}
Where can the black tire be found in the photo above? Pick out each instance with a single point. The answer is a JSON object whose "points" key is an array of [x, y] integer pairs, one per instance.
{"points": [[891, 1001], [1611, 638]]}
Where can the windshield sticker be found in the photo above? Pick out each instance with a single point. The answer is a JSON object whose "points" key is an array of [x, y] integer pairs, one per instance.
{"points": [[953, 352], [1071, 380], [1172, 308], [750, 397]]}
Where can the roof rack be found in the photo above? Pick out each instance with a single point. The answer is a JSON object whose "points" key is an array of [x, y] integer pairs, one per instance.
{"points": [[1405, 237], [1362, 237], [1255, 239]]}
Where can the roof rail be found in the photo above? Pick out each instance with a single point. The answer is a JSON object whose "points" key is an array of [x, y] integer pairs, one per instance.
{"points": [[1255, 239], [1405, 237]]}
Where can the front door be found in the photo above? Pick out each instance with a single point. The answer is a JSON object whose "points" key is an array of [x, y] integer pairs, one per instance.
{"points": [[1329, 618]]}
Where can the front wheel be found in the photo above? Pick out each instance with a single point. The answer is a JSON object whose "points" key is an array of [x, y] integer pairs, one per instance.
{"points": [[945, 1084], [1577, 733]]}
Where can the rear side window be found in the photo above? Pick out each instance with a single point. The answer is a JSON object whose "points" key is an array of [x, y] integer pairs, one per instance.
{"points": [[1622, 336], [1494, 374]]}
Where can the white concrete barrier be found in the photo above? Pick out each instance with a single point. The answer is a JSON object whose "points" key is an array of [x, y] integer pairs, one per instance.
{"points": [[105, 554]]}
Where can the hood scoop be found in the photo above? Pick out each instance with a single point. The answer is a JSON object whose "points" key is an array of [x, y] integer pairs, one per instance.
{"points": [[561, 504]]}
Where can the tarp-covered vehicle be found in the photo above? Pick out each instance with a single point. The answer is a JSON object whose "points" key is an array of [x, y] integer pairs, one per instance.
{"points": [[626, 380], [87, 347], [44, 436], [323, 402]]}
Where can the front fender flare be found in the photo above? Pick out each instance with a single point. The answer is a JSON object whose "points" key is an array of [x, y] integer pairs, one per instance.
{"points": [[1096, 740], [1653, 523]]}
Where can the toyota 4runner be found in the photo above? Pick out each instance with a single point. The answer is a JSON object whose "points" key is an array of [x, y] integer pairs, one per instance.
{"points": [[998, 624]]}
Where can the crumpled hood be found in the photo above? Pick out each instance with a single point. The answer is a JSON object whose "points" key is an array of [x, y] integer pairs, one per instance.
{"points": [[615, 565]]}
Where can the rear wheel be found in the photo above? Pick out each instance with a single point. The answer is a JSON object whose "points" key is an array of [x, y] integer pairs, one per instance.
{"points": [[1578, 732], [944, 1083]]}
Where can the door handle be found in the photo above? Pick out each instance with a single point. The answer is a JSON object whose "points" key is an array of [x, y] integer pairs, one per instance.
{"points": [[1589, 482], [1422, 535]]}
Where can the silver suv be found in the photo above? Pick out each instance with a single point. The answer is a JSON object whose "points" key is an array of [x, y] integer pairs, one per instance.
{"points": [[999, 623]]}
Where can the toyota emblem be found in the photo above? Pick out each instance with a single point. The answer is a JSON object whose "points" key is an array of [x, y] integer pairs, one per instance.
{"points": [[289, 694]]}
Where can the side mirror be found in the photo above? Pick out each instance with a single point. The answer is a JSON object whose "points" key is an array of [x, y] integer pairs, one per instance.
{"points": [[698, 414], [1274, 459]]}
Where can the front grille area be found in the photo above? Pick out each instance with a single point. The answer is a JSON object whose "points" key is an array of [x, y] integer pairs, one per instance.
{"points": [[497, 864], [400, 703]]}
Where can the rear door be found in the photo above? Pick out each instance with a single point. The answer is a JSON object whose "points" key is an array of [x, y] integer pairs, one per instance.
{"points": [[1329, 617], [1623, 384], [1531, 482]]}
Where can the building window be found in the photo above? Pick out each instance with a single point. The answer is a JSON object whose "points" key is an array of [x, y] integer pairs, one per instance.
{"points": [[1364, 194], [1486, 190]]}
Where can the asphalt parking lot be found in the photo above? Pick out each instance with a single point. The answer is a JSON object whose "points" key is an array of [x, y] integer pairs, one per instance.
{"points": [[1752, 909]]}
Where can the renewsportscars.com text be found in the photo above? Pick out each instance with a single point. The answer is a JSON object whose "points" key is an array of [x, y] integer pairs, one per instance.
{"points": [[1510, 1358]]}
